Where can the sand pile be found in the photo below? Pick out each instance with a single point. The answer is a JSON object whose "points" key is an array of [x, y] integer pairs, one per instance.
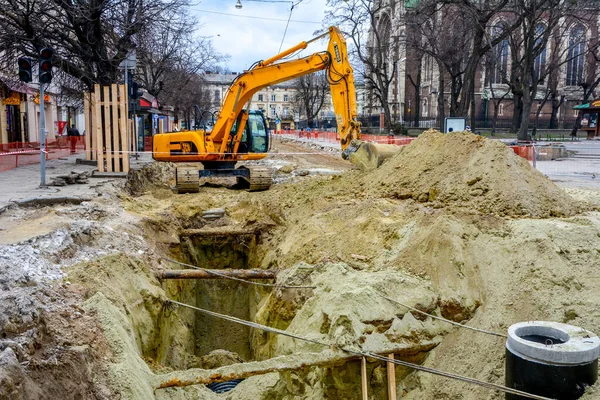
{"points": [[461, 169]]}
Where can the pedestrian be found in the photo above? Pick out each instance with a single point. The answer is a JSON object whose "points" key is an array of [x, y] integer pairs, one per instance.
{"points": [[73, 134]]}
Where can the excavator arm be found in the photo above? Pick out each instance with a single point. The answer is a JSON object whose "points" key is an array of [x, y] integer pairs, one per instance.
{"points": [[267, 73]]}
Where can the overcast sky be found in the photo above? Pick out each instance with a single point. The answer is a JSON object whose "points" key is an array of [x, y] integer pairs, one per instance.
{"points": [[255, 31]]}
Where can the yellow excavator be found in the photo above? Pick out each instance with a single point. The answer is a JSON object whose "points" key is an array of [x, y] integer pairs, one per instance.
{"points": [[239, 134]]}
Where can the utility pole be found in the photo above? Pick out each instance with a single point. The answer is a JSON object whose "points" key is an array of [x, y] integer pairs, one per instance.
{"points": [[45, 76], [42, 137]]}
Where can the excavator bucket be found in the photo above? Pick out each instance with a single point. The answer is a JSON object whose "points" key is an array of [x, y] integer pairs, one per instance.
{"points": [[368, 156]]}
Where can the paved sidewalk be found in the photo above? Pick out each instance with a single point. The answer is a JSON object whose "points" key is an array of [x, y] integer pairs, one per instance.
{"points": [[23, 183]]}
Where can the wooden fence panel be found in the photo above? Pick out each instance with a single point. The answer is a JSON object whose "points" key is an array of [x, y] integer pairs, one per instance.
{"points": [[123, 125], [107, 129], [108, 124], [90, 154], [97, 128]]}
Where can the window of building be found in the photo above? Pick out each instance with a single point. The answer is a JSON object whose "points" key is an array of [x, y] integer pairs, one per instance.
{"points": [[540, 60], [285, 98], [286, 112], [500, 56], [425, 108], [501, 110], [273, 110], [575, 56], [217, 95], [273, 97], [260, 97]]}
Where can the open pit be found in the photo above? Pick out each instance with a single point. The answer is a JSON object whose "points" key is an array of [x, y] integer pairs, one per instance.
{"points": [[472, 235]]}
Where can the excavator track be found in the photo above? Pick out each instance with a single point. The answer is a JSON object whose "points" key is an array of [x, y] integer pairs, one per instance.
{"points": [[187, 180], [260, 179]]}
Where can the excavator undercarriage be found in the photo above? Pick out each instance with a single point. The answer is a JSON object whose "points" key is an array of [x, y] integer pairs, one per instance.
{"points": [[251, 178]]}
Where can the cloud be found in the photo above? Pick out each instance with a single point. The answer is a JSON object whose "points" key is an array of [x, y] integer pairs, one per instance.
{"points": [[247, 38]]}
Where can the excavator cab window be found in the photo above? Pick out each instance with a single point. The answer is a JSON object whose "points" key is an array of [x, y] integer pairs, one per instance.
{"points": [[259, 138]]}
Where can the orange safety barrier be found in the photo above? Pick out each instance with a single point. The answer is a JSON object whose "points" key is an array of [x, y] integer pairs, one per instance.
{"points": [[15, 154], [524, 151]]}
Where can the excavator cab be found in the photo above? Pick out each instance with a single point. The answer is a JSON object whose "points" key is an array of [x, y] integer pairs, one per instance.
{"points": [[255, 138]]}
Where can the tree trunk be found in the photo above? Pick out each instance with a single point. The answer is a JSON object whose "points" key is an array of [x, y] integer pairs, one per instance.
{"points": [[418, 97], [472, 104], [554, 114], [453, 97], [440, 100], [525, 112], [387, 122], [517, 109]]}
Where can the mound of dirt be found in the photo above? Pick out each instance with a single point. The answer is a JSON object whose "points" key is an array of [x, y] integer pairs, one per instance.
{"points": [[158, 174], [461, 169]]}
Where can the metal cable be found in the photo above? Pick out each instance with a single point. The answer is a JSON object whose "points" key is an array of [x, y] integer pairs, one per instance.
{"points": [[443, 319], [237, 279], [418, 367]]}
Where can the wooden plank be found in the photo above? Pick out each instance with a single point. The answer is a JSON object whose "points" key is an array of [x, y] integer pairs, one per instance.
{"points": [[91, 131], [391, 375], [107, 130], [114, 105], [86, 124], [124, 124], [98, 128], [363, 378], [3, 130], [217, 274]]}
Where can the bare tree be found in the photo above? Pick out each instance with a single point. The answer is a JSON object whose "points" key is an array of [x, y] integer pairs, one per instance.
{"points": [[367, 25], [459, 53], [90, 37], [311, 92], [169, 51]]}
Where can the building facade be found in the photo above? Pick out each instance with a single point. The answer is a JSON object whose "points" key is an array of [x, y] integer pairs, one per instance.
{"points": [[20, 113], [571, 53]]}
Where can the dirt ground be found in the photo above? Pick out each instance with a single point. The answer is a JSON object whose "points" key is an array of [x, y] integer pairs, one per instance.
{"points": [[454, 225]]}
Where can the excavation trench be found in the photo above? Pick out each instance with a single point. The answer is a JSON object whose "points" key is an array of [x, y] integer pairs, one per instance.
{"points": [[215, 342]]}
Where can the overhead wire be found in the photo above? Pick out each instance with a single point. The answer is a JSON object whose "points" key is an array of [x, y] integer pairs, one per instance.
{"points": [[417, 367], [260, 18]]}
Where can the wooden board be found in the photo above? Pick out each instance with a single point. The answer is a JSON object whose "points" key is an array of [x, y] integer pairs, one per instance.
{"points": [[363, 378], [97, 128], [391, 375], [107, 129], [114, 105], [87, 126], [124, 124]]}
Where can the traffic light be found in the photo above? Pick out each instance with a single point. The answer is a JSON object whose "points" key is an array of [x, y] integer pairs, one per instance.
{"points": [[134, 90], [46, 65], [25, 69]]}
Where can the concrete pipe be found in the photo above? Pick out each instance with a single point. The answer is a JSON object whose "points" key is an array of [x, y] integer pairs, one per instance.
{"points": [[551, 359]]}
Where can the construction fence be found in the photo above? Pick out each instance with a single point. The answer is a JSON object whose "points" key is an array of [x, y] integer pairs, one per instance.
{"points": [[17, 154]]}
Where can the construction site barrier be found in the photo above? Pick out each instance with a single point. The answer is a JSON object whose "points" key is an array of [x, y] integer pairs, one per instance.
{"points": [[525, 151], [16, 154], [334, 137]]}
